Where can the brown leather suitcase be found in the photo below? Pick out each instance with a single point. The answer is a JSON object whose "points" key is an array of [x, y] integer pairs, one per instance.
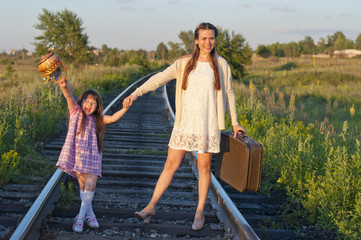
{"points": [[239, 162]]}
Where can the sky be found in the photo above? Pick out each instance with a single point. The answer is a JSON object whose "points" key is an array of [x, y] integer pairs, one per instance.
{"points": [[143, 24]]}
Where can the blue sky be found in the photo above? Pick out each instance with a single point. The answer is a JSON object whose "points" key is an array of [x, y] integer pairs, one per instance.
{"points": [[143, 24]]}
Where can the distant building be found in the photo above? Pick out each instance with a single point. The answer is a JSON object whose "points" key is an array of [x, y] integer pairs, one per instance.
{"points": [[21, 52], [322, 55], [13, 52], [317, 55], [96, 52], [347, 53]]}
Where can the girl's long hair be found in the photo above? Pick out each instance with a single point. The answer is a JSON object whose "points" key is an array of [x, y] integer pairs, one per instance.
{"points": [[97, 114], [195, 54]]}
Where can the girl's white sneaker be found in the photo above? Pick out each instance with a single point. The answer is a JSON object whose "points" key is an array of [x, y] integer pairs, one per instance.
{"points": [[92, 221], [78, 224]]}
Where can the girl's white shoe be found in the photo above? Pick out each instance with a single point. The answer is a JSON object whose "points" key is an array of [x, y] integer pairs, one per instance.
{"points": [[78, 224], [92, 221]]}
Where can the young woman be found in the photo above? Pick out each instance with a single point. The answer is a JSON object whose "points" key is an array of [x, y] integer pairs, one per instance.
{"points": [[203, 91]]}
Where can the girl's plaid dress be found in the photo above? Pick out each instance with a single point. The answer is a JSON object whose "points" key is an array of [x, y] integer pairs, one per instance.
{"points": [[80, 151]]}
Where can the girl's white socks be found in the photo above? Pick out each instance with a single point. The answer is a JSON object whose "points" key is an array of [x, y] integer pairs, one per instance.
{"points": [[90, 210], [86, 199]]}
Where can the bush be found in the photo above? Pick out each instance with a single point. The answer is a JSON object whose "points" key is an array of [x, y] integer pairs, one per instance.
{"points": [[288, 66], [6, 61], [9, 164], [27, 119], [66, 195], [319, 172]]}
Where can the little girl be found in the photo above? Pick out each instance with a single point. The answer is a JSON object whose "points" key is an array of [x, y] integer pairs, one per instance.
{"points": [[81, 155]]}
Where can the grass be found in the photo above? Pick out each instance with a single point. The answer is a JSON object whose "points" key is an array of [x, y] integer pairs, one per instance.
{"points": [[306, 117], [32, 110], [328, 93]]}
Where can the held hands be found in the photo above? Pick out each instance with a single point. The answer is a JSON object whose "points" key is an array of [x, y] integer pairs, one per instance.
{"points": [[107, 119], [128, 101], [238, 128]]}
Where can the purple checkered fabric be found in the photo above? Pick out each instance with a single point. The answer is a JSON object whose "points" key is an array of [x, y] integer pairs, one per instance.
{"points": [[80, 151]]}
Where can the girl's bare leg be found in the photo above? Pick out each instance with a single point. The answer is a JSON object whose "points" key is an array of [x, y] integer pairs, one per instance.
{"points": [[87, 181], [87, 184], [81, 180], [171, 165], [90, 182]]}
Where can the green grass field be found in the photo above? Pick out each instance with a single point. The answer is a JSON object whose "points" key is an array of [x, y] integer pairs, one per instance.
{"points": [[32, 110], [327, 93], [306, 114]]}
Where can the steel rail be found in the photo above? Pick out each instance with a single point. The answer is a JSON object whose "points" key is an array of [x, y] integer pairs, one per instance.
{"points": [[29, 227], [238, 223]]}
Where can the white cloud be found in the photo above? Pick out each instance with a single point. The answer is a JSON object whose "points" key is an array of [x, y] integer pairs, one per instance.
{"points": [[127, 8], [124, 1], [284, 9], [245, 5]]}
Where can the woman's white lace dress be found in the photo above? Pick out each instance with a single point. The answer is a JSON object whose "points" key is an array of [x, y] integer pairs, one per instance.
{"points": [[198, 128]]}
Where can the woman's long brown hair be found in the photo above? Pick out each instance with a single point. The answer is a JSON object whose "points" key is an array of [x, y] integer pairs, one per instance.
{"points": [[97, 114], [195, 54]]}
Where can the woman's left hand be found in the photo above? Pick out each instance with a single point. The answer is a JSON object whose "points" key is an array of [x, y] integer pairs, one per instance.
{"points": [[238, 128]]}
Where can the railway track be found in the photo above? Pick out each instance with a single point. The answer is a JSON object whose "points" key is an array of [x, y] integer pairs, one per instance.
{"points": [[134, 155]]}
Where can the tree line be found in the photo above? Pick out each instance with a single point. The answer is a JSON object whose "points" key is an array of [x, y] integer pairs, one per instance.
{"points": [[62, 32], [328, 45]]}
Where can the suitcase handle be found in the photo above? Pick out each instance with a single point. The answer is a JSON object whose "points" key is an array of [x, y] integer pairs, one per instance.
{"points": [[239, 133]]}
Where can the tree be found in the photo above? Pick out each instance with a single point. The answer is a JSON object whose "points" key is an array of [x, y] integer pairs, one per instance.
{"points": [[321, 45], [188, 40], [291, 49], [276, 49], [139, 57], [263, 51], [358, 42], [235, 50], [62, 32], [307, 45], [105, 49], [340, 42], [333, 45], [175, 50], [161, 52], [349, 44], [112, 58]]}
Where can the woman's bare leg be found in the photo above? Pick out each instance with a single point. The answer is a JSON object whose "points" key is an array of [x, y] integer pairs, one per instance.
{"points": [[204, 172], [171, 165]]}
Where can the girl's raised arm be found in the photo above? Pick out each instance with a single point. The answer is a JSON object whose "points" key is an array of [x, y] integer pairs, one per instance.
{"points": [[67, 94]]}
